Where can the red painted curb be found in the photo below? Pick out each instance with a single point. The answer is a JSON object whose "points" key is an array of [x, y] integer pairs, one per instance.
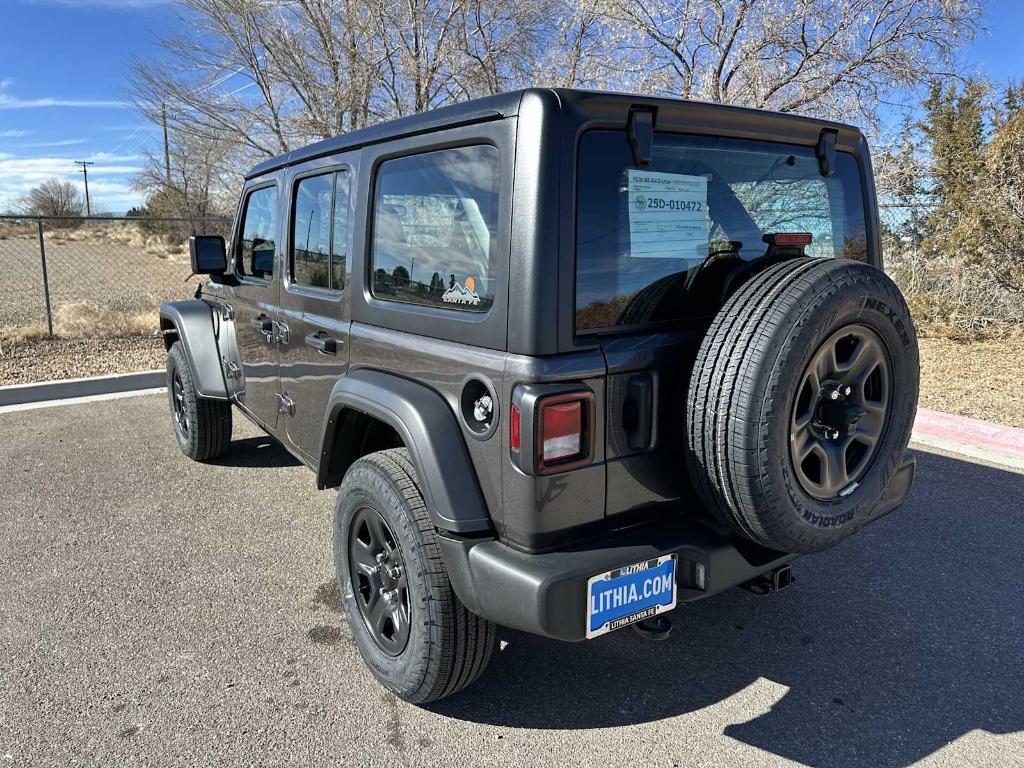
{"points": [[961, 429]]}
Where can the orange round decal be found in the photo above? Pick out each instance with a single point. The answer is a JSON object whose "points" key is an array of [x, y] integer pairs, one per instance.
{"points": [[470, 284]]}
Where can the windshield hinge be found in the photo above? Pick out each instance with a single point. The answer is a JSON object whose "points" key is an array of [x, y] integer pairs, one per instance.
{"points": [[641, 135], [826, 151]]}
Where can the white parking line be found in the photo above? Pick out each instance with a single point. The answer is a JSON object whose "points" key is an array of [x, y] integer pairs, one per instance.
{"points": [[80, 400]]}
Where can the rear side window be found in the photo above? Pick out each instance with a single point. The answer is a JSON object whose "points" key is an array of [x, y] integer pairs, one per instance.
{"points": [[660, 242], [434, 226], [320, 231], [259, 234]]}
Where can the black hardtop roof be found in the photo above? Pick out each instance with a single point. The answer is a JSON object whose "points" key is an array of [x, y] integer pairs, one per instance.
{"points": [[494, 108]]}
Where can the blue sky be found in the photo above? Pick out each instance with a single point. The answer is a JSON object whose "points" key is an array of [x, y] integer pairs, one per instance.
{"points": [[62, 81]]}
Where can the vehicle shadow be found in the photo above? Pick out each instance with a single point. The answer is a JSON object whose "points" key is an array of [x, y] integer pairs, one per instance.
{"points": [[260, 451], [891, 645]]}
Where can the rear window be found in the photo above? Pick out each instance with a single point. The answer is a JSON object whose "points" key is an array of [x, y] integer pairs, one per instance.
{"points": [[434, 225], [659, 242]]}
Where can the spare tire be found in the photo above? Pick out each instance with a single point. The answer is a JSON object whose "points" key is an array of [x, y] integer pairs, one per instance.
{"points": [[801, 402]]}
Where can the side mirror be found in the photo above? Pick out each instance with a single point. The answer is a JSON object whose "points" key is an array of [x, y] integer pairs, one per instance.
{"points": [[209, 254]]}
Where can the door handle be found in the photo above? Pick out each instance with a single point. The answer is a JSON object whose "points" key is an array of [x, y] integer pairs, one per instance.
{"points": [[283, 333], [322, 343]]}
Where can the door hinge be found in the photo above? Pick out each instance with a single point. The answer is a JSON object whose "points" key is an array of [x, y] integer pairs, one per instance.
{"points": [[231, 370], [285, 404]]}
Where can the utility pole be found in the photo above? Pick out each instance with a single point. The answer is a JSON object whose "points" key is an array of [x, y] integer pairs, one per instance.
{"points": [[85, 173], [167, 150]]}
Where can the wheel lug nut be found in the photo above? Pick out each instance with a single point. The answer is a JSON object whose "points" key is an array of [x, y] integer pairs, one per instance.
{"points": [[381, 558], [847, 391], [395, 572], [835, 394]]}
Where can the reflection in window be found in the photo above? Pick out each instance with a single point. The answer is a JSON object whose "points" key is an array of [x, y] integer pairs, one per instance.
{"points": [[320, 231], [665, 241], [434, 226], [259, 232], [311, 231]]}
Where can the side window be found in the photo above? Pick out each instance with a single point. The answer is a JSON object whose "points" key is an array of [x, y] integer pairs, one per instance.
{"points": [[311, 231], [434, 226], [320, 231], [259, 232]]}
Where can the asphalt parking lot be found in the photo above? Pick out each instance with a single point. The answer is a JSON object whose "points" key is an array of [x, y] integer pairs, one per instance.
{"points": [[159, 612]]}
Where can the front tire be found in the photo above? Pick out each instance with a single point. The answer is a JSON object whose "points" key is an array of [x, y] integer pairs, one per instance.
{"points": [[412, 631], [201, 426]]}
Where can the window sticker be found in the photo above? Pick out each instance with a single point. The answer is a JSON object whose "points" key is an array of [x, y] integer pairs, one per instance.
{"points": [[458, 293], [668, 215]]}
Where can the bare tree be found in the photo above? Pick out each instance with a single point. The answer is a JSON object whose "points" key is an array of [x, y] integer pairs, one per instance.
{"points": [[265, 74], [54, 198], [203, 181], [271, 75], [822, 57]]}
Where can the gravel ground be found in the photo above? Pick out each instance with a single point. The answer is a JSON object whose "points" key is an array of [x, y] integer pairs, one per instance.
{"points": [[161, 612], [48, 359]]}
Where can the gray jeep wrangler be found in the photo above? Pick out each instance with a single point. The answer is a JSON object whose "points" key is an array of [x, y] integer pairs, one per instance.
{"points": [[570, 358]]}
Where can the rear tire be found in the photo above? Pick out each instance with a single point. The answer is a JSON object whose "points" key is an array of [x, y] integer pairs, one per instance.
{"points": [[201, 426], [422, 644], [820, 351]]}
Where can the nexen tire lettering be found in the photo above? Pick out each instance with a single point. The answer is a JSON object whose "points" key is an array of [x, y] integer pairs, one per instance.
{"points": [[890, 313]]}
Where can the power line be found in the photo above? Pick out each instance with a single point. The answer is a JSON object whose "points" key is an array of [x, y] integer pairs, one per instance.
{"points": [[85, 173]]}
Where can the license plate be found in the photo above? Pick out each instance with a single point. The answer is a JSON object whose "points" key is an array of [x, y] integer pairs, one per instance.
{"points": [[632, 593]]}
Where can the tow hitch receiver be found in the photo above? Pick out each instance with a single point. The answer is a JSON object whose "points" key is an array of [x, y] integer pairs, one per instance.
{"points": [[774, 581], [654, 628]]}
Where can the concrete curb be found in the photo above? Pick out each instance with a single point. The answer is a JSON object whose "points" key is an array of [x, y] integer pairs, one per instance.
{"points": [[985, 441], [18, 394]]}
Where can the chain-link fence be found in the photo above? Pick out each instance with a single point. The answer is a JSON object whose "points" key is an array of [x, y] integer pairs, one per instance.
{"points": [[99, 276]]}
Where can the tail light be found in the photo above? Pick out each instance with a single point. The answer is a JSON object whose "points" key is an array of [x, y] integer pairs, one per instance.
{"points": [[564, 429], [561, 430], [552, 427]]}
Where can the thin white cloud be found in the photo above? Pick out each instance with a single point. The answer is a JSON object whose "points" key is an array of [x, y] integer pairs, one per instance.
{"points": [[61, 143], [15, 134], [13, 102], [116, 4]]}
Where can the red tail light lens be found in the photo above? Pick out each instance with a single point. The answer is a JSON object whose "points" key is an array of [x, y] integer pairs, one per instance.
{"points": [[564, 431], [561, 431], [514, 428]]}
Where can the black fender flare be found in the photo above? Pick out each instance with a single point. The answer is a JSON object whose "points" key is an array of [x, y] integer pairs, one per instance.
{"points": [[194, 322], [427, 426]]}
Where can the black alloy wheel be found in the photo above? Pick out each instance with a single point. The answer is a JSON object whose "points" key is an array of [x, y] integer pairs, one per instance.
{"points": [[841, 411], [379, 581]]}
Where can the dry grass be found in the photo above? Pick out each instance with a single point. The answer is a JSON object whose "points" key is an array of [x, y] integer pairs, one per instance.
{"points": [[980, 379], [83, 320]]}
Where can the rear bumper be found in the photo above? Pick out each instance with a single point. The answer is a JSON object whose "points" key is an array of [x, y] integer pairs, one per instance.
{"points": [[546, 593]]}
